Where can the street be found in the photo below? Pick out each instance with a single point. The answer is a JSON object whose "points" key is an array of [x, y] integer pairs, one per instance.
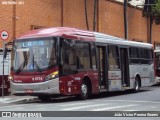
{"points": [[148, 99]]}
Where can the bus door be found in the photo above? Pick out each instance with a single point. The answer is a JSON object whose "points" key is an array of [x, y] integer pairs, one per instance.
{"points": [[102, 66], [124, 61]]}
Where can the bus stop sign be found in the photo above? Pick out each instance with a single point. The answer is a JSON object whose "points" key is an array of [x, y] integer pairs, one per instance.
{"points": [[4, 35]]}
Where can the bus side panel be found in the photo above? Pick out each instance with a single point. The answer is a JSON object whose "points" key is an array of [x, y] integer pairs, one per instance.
{"points": [[152, 74], [93, 75], [115, 82], [71, 84], [146, 73], [134, 70]]}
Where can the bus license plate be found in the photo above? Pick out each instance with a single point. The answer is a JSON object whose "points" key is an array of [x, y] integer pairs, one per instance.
{"points": [[28, 91]]}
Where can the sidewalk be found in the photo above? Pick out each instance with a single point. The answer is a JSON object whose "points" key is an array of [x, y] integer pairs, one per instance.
{"points": [[14, 99]]}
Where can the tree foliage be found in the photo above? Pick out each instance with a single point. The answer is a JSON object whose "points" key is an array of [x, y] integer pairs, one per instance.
{"points": [[156, 8], [152, 9], [156, 12]]}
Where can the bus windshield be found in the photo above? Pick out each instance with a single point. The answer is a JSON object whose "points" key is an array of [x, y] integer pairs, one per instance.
{"points": [[34, 54]]}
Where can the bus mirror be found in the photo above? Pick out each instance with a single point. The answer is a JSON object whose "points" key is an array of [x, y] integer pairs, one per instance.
{"points": [[5, 52]]}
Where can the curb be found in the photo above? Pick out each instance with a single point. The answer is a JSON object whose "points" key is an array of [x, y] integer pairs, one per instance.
{"points": [[24, 100]]}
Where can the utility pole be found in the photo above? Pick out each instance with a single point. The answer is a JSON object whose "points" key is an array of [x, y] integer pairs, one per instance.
{"points": [[95, 15], [62, 14], [14, 21], [125, 19], [86, 14]]}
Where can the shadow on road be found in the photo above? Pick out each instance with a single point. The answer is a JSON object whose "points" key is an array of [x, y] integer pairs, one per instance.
{"points": [[73, 98], [117, 93]]}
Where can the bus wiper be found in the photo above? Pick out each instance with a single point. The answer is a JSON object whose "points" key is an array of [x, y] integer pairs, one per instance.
{"points": [[20, 68], [24, 63], [36, 64]]}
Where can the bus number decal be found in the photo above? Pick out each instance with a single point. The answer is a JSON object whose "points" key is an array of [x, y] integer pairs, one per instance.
{"points": [[37, 79]]}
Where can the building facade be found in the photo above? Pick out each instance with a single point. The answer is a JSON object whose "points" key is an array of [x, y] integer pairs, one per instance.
{"points": [[19, 16]]}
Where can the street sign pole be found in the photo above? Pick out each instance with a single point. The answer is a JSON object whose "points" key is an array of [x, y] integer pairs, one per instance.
{"points": [[4, 36], [3, 70]]}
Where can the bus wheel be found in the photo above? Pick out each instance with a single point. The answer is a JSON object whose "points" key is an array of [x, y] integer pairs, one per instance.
{"points": [[136, 85], [84, 91], [44, 97]]}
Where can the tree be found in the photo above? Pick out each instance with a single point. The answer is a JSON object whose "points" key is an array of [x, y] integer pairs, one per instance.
{"points": [[156, 12]]}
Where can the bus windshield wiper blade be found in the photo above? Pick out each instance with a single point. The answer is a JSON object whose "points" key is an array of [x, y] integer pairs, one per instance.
{"points": [[37, 66], [20, 68]]}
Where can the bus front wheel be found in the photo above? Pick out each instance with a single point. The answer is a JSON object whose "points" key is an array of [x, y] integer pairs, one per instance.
{"points": [[84, 91]]}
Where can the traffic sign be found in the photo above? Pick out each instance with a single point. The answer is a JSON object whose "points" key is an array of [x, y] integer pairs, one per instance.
{"points": [[4, 35]]}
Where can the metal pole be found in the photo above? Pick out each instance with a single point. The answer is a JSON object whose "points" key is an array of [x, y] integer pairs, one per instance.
{"points": [[14, 20], [95, 15], [125, 20], [62, 13], [86, 14], [150, 30], [3, 71]]}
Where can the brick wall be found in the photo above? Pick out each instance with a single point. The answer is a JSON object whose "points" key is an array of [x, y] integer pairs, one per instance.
{"points": [[74, 13], [6, 16], [48, 13], [45, 13]]}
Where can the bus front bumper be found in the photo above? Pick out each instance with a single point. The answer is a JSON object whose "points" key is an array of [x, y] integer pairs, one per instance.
{"points": [[48, 87]]}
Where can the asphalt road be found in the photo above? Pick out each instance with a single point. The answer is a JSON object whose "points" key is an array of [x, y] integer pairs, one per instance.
{"points": [[148, 99]]}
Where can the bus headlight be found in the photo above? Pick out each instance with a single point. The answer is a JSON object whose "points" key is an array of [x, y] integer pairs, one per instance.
{"points": [[10, 78], [52, 76]]}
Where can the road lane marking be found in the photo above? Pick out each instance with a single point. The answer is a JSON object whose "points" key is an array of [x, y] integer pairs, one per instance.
{"points": [[80, 107], [72, 104], [133, 110], [110, 108], [129, 101]]}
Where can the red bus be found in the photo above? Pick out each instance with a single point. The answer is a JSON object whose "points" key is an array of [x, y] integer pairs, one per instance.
{"points": [[69, 61], [4, 83], [157, 65]]}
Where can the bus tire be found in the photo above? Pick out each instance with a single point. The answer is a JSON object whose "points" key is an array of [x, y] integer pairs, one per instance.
{"points": [[84, 91], [137, 85], [44, 97]]}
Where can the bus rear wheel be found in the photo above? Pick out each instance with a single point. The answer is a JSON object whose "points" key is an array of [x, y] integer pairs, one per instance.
{"points": [[137, 85], [84, 91]]}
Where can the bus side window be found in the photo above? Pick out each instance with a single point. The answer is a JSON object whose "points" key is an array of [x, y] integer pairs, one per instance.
{"points": [[144, 56], [68, 57], [83, 55], [150, 56], [93, 56], [113, 57], [134, 55]]}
